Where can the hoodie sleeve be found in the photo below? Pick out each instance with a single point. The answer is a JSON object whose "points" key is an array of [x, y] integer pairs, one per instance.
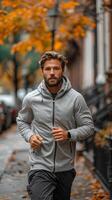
{"points": [[85, 126], [24, 120]]}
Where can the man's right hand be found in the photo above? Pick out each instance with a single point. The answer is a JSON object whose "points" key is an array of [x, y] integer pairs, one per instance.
{"points": [[35, 141]]}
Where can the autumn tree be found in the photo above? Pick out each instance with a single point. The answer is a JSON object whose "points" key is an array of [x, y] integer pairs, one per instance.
{"points": [[29, 19]]}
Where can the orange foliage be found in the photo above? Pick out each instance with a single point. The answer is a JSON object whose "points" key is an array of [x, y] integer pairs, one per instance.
{"points": [[69, 5], [29, 16], [100, 137], [98, 192]]}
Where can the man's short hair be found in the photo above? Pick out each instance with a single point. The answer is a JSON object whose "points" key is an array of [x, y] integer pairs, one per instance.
{"points": [[48, 55]]}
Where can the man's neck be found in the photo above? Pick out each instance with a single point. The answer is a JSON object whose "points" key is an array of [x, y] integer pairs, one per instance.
{"points": [[54, 89]]}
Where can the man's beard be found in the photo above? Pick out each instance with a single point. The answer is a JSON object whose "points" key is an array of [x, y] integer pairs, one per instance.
{"points": [[49, 84]]}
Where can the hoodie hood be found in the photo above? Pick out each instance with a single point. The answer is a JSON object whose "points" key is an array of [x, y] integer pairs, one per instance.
{"points": [[66, 86]]}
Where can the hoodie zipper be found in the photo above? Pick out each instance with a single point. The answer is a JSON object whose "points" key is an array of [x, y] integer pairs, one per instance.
{"points": [[55, 147]]}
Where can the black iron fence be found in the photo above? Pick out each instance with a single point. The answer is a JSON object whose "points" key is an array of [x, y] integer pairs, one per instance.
{"points": [[100, 105], [103, 164], [101, 158]]}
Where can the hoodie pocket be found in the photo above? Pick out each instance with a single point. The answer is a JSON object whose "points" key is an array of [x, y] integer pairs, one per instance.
{"points": [[64, 150]]}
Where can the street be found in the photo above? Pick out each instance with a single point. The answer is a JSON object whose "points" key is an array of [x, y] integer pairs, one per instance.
{"points": [[14, 158], [14, 179], [13, 165]]}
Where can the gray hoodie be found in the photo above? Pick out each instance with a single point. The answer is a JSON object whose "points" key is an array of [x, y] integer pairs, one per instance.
{"points": [[40, 112]]}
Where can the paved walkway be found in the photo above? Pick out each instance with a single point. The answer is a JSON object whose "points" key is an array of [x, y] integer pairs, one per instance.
{"points": [[10, 141], [14, 173]]}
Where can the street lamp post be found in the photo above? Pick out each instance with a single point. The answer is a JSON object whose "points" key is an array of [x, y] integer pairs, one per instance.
{"points": [[24, 74], [53, 22]]}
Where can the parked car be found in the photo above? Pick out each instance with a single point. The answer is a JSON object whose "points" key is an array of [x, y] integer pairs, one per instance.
{"points": [[10, 101], [2, 117], [7, 114]]}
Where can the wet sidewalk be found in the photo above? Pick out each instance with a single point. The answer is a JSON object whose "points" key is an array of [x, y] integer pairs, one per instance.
{"points": [[86, 186], [10, 141], [14, 177], [14, 180]]}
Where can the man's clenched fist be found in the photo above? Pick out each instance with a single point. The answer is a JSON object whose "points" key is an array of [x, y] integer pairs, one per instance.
{"points": [[59, 134], [35, 141]]}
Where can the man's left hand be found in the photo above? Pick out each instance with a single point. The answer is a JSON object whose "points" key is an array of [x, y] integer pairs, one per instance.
{"points": [[59, 134]]}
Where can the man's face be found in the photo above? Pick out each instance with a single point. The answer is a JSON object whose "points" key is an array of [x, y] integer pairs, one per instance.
{"points": [[52, 72]]}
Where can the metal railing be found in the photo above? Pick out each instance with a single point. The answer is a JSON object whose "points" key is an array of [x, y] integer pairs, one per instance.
{"points": [[100, 104]]}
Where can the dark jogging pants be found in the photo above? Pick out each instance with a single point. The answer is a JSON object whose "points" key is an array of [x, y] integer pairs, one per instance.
{"points": [[44, 185]]}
